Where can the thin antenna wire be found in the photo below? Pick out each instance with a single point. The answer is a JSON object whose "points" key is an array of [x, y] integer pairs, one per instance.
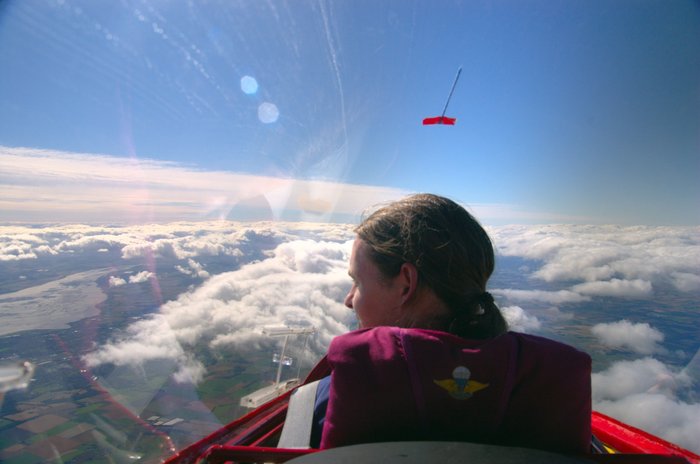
{"points": [[454, 84]]}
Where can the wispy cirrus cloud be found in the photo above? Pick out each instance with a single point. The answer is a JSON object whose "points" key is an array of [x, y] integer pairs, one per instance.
{"points": [[41, 185], [52, 186]]}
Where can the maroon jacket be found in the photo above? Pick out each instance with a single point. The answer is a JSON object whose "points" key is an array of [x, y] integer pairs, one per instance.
{"points": [[393, 384]]}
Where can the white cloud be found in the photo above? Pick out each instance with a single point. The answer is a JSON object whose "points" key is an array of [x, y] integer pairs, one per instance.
{"points": [[190, 372], [518, 320], [640, 338], [303, 282], [189, 245], [196, 269], [184, 270], [13, 252], [146, 340], [187, 241], [685, 281], [625, 378], [616, 288], [646, 394], [142, 276], [49, 185], [20, 244], [607, 260], [676, 421], [180, 241], [115, 281]]}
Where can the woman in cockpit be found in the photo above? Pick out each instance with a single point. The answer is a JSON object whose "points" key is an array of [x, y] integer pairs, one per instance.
{"points": [[433, 359]]}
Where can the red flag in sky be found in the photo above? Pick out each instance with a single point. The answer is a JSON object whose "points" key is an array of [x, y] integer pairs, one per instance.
{"points": [[442, 119], [439, 120]]}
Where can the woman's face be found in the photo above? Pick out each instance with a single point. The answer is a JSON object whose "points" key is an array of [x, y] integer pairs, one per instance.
{"points": [[375, 298]]}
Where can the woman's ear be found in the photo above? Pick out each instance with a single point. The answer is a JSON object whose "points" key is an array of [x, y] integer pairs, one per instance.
{"points": [[408, 279]]}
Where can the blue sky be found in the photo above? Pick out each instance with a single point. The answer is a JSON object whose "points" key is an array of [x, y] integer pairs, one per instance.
{"points": [[577, 111]]}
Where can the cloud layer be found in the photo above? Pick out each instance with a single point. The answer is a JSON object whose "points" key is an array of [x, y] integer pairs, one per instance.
{"points": [[248, 276], [593, 264], [613, 261], [53, 186]]}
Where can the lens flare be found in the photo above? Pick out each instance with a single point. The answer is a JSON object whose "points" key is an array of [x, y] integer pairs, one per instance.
{"points": [[268, 113], [249, 85]]}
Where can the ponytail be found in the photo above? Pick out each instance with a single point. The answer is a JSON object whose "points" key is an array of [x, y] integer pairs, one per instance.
{"points": [[480, 318]]}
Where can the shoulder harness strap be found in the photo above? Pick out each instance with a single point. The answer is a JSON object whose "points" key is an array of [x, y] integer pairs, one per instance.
{"points": [[296, 432]]}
